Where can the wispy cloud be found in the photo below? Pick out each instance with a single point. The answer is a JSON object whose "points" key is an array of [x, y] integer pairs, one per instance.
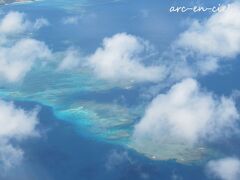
{"points": [[71, 20], [71, 59], [224, 169]]}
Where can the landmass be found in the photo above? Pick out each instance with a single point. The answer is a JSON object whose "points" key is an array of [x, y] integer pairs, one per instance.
{"points": [[5, 2]]}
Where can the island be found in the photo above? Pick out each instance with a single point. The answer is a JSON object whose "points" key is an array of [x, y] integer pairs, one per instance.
{"points": [[5, 2]]}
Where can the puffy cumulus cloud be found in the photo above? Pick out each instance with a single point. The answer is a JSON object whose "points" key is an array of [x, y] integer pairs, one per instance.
{"points": [[15, 124], [121, 59], [187, 114], [224, 169], [16, 23], [18, 58], [212, 39]]}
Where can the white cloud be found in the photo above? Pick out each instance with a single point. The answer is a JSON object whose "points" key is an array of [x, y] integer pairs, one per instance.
{"points": [[121, 59], [16, 23], [17, 59], [9, 156], [224, 169], [187, 114], [15, 124], [213, 39]]}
